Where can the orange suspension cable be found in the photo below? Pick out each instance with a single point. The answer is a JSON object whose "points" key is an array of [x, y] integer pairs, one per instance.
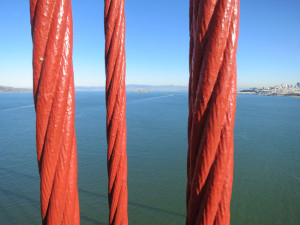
{"points": [[53, 89], [212, 102], [115, 66]]}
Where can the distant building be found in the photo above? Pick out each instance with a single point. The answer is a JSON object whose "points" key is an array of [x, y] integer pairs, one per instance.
{"points": [[283, 85]]}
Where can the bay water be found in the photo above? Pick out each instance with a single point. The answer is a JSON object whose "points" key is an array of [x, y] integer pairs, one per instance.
{"points": [[266, 188]]}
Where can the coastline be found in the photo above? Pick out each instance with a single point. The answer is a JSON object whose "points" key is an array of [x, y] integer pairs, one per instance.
{"points": [[282, 95], [278, 90], [7, 89]]}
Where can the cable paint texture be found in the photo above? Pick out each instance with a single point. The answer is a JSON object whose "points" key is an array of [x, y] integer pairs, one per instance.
{"points": [[212, 102], [53, 89], [115, 68]]}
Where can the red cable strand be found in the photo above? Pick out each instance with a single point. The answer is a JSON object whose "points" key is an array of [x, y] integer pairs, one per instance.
{"points": [[53, 89], [212, 102], [115, 65]]}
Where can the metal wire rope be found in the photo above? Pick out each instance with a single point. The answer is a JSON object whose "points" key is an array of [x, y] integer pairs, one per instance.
{"points": [[212, 102], [115, 65], [53, 89]]}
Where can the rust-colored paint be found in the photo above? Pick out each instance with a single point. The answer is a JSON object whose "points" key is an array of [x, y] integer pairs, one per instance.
{"points": [[115, 66], [212, 102], [53, 89]]}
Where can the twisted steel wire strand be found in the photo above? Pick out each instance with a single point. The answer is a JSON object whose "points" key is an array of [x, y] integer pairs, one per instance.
{"points": [[115, 65], [53, 89], [212, 102]]}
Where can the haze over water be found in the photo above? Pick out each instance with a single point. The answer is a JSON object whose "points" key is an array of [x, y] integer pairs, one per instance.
{"points": [[266, 171]]}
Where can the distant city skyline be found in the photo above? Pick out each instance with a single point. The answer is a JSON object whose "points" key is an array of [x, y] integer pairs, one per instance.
{"points": [[157, 43]]}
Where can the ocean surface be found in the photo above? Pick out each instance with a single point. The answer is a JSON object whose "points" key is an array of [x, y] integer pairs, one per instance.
{"points": [[266, 188]]}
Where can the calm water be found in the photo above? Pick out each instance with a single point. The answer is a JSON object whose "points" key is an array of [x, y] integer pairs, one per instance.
{"points": [[266, 186]]}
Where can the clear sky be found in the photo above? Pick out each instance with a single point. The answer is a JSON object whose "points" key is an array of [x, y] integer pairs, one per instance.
{"points": [[157, 42]]}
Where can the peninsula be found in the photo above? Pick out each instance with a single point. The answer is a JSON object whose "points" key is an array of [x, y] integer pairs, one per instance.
{"points": [[6, 89], [279, 90], [142, 91]]}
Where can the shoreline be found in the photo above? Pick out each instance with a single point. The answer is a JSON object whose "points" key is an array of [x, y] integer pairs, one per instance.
{"points": [[243, 93], [253, 93]]}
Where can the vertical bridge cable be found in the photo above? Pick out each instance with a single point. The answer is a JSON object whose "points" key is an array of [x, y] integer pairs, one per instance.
{"points": [[212, 102], [53, 89], [115, 66]]}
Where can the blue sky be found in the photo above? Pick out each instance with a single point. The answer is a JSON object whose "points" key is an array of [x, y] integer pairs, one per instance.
{"points": [[157, 42]]}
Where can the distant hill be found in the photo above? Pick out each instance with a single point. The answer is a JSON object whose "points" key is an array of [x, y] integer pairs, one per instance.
{"points": [[136, 87], [130, 87], [6, 89], [87, 88]]}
